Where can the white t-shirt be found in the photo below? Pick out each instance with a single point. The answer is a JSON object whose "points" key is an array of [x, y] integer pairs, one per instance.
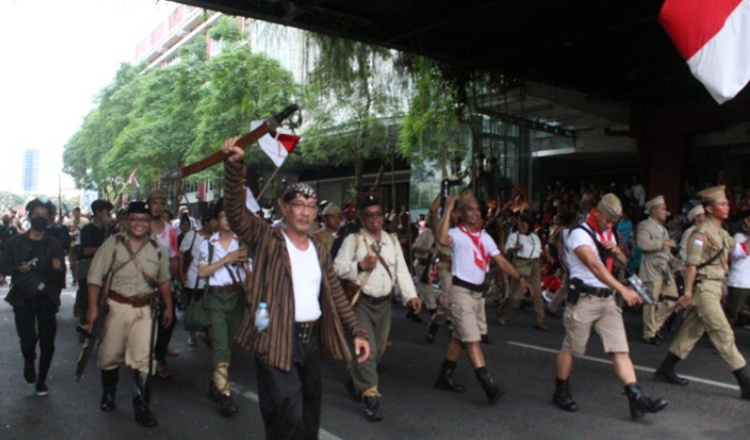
{"points": [[222, 277], [306, 278], [192, 243], [532, 245], [464, 265], [578, 237], [739, 273]]}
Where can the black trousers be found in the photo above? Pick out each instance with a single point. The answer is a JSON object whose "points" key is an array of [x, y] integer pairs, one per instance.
{"points": [[163, 334], [291, 403], [36, 321]]}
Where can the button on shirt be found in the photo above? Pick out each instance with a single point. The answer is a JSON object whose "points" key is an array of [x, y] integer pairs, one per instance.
{"points": [[379, 284], [222, 277], [464, 253], [532, 245]]}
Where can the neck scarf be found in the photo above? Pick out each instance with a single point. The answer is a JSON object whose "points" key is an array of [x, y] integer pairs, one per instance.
{"points": [[481, 259], [591, 221]]}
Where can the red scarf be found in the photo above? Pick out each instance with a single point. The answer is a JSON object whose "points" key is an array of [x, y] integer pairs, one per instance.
{"points": [[602, 238], [481, 259]]}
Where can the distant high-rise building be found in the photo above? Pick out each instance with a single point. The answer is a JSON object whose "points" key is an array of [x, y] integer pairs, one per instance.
{"points": [[30, 178]]}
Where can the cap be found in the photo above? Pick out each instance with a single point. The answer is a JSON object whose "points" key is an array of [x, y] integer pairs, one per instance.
{"points": [[695, 212], [656, 201], [331, 209], [369, 200], [298, 189], [138, 207], [610, 206], [713, 194]]}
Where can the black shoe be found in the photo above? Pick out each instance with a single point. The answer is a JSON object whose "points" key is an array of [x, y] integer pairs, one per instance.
{"points": [[227, 406], [486, 340], [492, 391], [666, 373], [29, 372], [446, 382], [562, 397], [372, 409], [655, 340], [108, 401], [144, 418], [414, 317], [431, 333], [640, 404], [744, 382], [352, 390], [41, 389], [213, 393]]}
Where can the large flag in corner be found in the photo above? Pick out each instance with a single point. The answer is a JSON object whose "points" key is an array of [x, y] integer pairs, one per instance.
{"points": [[276, 145], [714, 37]]}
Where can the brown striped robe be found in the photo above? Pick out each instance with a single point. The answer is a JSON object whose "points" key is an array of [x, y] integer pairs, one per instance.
{"points": [[272, 284]]}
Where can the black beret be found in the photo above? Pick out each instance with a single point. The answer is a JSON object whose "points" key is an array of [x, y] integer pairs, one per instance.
{"points": [[100, 204], [138, 207], [369, 200]]}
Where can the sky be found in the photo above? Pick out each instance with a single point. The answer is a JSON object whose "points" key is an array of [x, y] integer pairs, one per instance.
{"points": [[57, 55]]}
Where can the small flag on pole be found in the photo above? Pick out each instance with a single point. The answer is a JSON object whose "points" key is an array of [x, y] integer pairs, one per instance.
{"points": [[714, 38], [277, 146], [132, 180]]}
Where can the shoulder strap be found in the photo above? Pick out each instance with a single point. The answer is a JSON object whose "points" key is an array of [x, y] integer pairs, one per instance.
{"points": [[599, 246], [149, 279]]}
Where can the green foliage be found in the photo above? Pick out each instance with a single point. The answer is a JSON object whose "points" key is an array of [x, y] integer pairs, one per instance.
{"points": [[227, 29]]}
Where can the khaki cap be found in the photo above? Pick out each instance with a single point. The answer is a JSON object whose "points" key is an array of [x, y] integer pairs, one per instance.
{"points": [[610, 206], [695, 212], [713, 194], [656, 201], [466, 198], [331, 209]]}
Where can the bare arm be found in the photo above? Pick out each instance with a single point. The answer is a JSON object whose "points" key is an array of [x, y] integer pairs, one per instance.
{"points": [[445, 223]]}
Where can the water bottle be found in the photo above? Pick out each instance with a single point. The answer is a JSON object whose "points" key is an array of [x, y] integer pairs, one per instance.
{"points": [[261, 317]]}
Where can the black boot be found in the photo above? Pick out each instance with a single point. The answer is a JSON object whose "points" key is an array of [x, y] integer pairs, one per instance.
{"points": [[666, 373], [431, 333], [492, 391], [372, 408], [562, 397], [109, 385], [226, 405], [29, 372], [744, 381], [143, 414], [640, 404], [445, 380]]}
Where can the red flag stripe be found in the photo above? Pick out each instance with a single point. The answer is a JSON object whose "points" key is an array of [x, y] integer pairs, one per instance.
{"points": [[704, 19]]}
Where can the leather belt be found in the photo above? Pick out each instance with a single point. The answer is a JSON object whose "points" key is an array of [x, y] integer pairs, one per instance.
{"points": [[305, 331], [467, 285], [141, 301], [599, 292], [376, 300]]}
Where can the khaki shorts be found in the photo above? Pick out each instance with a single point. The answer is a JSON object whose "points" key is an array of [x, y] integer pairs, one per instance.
{"points": [[600, 313], [467, 313]]}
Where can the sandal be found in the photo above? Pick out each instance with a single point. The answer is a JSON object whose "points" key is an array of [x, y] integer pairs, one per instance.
{"points": [[162, 372]]}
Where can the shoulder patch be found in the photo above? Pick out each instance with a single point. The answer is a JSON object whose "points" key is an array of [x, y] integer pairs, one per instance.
{"points": [[698, 241]]}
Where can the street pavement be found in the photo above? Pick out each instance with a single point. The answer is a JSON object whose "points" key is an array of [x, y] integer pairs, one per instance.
{"points": [[520, 357]]}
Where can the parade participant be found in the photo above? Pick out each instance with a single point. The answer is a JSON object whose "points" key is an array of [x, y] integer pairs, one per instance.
{"points": [[424, 252], [332, 221], [591, 303], [7, 231], [706, 267], [136, 266], [738, 281], [525, 247], [445, 276], [223, 260], [696, 216], [374, 261], [190, 251], [166, 235], [91, 237], [74, 225], [656, 270], [308, 312], [35, 262], [350, 225], [472, 249]]}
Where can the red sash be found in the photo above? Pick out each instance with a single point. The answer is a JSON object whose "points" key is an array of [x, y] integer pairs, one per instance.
{"points": [[602, 238], [481, 259]]}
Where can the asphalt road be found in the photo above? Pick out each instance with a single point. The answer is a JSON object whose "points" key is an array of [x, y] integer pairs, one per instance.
{"points": [[520, 357]]}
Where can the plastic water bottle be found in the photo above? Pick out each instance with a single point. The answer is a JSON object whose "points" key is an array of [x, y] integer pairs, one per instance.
{"points": [[262, 319]]}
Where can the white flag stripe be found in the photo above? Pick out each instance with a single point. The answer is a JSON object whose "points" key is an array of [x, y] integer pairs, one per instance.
{"points": [[272, 147], [723, 63], [250, 201]]}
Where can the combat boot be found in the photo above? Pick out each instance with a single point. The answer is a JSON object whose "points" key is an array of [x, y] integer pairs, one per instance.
{"points": [[431, 333], [372, 409], [744, 381], [562, 397], [492, 391], [666, 373], [640, 404], [109, 387], [445, 380], [141, 399], [226, 405]]}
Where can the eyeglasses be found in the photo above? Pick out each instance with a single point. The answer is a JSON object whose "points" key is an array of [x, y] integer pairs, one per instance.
{"points": [[301, 206], [139, 219], [375, 214]]}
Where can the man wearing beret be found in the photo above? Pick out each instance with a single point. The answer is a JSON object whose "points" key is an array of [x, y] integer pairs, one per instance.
{"points": [[136, 267], [656, 272], [592, 249], [706, 267]]}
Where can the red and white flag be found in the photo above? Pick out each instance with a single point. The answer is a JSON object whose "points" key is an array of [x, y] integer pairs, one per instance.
{"points": [[132, 180], [276, 145], [714, 37]]}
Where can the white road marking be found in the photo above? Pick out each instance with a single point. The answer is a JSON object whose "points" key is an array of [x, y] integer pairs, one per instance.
{"points": [[237, 389], [637, 367]]}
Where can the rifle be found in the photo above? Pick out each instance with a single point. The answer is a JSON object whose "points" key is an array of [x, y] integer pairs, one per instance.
{"points": [[244, 141], [91, 336]]}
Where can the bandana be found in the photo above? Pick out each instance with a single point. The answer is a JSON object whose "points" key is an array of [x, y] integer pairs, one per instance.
{"points": [[591, 221], [481, 259]]}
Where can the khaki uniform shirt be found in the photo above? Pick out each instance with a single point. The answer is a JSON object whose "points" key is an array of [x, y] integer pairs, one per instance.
{"points": [[655, 265], [701, 248], [127, 279], [326, 236]]}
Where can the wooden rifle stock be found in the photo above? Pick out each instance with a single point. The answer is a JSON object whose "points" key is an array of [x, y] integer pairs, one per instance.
{"points": [[243, 142]]}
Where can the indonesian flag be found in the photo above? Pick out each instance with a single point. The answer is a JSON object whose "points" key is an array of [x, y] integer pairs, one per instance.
{"points": [[277, 146], [714, 37]]}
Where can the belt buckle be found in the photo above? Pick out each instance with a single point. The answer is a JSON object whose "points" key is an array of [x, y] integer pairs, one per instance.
{"points": [[305, 331]]}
